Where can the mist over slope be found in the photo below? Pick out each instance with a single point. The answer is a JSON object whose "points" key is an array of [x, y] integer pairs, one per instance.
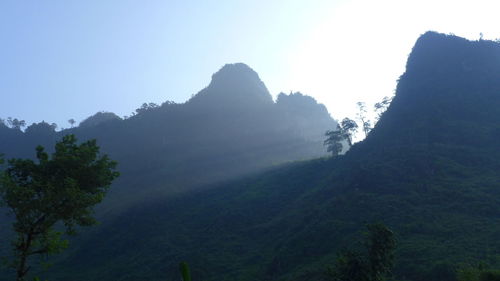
{"points": [[229, 129], [429, 170]]}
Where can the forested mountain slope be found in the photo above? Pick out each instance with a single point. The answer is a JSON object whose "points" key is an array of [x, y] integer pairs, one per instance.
{"points": [[429, 170]]}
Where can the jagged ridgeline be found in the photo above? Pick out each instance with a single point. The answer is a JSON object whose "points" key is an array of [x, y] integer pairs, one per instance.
{"points": [[429, 170]]}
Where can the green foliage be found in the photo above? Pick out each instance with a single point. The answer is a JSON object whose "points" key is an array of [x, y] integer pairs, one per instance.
{"points": [[429, 169], [185, 272], [61, 188], [490, 276], [170, 149], [479, 272], [349, 266], [374, 264], [381, 244]]}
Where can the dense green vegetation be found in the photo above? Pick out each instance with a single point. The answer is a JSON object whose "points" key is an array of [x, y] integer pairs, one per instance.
{"points": [[429, 170], [478, 272], [373, 264]]}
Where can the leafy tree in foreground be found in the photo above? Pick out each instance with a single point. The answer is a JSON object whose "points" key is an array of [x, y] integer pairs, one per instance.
{"points": [[62, 189], [185, 272], [373, 265]]}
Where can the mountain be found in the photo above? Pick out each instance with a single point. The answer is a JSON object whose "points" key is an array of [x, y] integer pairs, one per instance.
{"points": [[229, 129], [429, 170]]}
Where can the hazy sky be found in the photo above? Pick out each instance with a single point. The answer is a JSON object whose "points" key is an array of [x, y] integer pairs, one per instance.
{"points": [[62, 59]]}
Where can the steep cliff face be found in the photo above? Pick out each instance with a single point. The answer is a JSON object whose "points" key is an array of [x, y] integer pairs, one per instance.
{"points": [[448, 94], [445, 116]]}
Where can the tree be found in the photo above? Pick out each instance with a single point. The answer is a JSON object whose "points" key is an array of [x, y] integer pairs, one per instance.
{"points": [[72, 122], [374, 264], [349, 128], [343, 132], [145, 107], [185, 272], [39, 129], [16, 123], [361, 115], [349, 266], [381, 107], [334, 140], [381, 245], [61, 189]]}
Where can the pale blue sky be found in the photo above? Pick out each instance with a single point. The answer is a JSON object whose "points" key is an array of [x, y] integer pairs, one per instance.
{"points": [[62, 59]]}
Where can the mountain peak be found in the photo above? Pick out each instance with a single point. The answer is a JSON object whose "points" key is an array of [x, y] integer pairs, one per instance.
{"points": [[234, 85], [450, 84], [439, 54], [232, 70]]}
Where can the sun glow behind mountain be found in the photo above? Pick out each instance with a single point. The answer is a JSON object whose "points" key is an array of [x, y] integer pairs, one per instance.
{"points": [[359, 51]]}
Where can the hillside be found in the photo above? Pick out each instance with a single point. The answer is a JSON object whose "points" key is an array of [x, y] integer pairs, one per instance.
{"points": [[429, 170]]}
